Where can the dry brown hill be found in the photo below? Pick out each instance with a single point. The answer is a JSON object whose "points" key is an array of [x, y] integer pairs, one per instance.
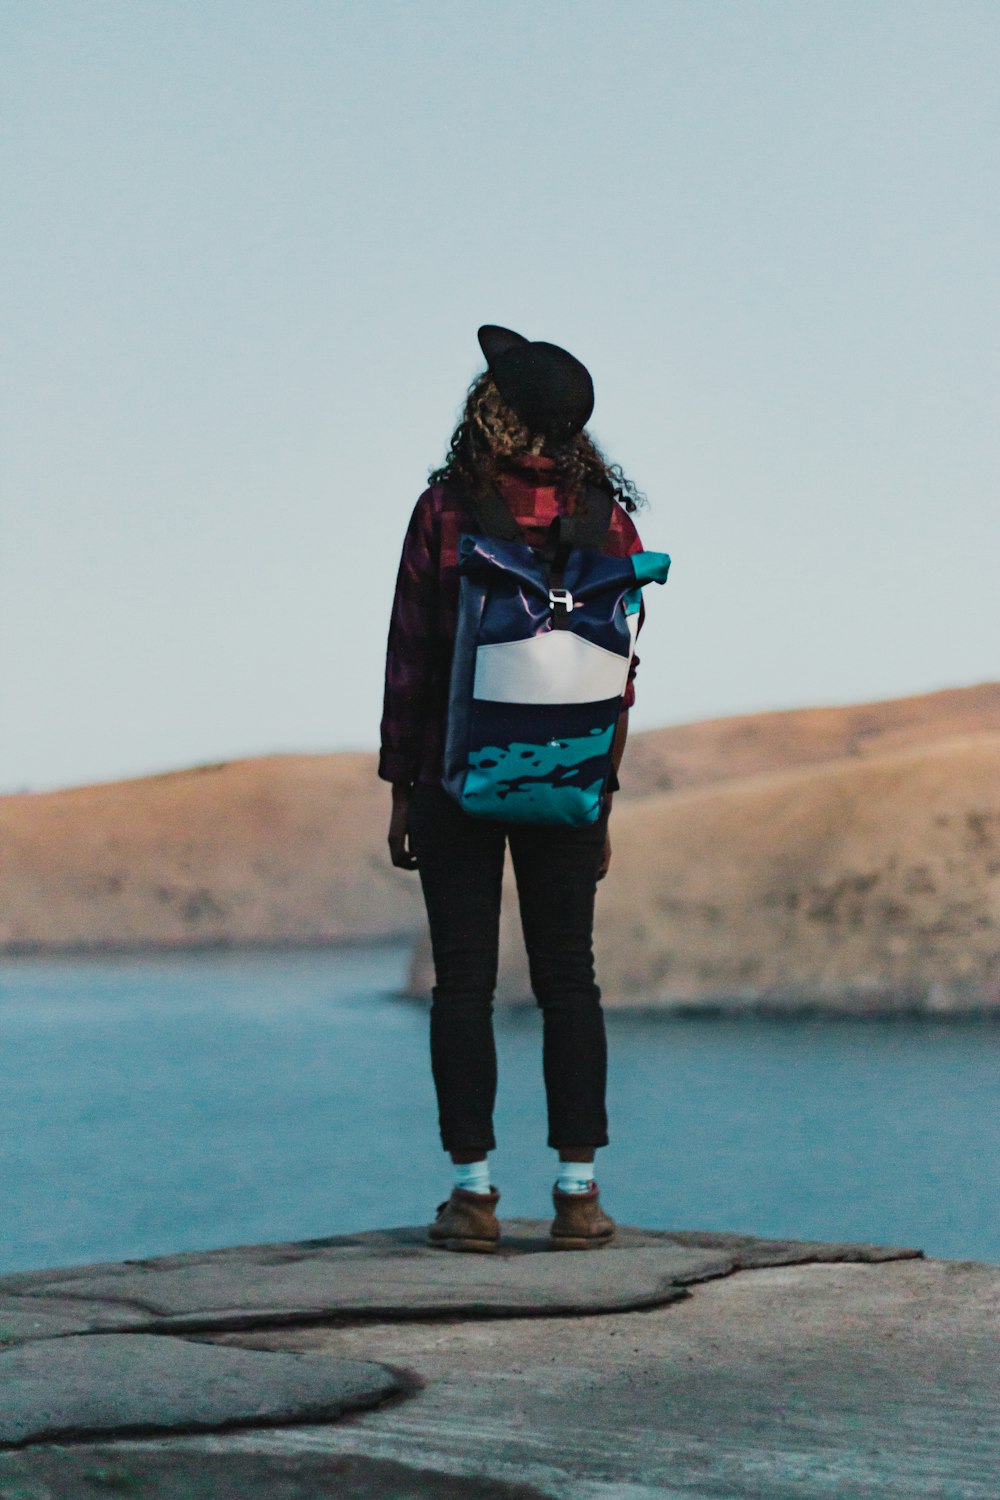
{"points": [[686, 755], [286, 848], [292, 849], [859, 884]]}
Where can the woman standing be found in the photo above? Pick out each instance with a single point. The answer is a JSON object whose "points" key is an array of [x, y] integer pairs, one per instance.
{"points": [[523, 435]]}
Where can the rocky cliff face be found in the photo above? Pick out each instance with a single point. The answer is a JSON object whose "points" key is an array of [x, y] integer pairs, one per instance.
{"points": [[843, 857]]}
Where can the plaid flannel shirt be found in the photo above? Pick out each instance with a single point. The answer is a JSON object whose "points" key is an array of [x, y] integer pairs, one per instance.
{"points": [[424, 610]]}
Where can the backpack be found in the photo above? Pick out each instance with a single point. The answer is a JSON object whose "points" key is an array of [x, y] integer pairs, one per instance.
{"points": [[543, 642]]}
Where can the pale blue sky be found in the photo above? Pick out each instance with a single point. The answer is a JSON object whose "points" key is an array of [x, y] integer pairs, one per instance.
{"points": [[248, 246]]}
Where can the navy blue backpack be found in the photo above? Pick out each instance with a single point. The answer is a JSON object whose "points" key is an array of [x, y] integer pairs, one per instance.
{"points": [[543, 643]]}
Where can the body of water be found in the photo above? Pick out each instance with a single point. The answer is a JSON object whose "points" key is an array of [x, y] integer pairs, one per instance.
{"points": [[184, 1102]]}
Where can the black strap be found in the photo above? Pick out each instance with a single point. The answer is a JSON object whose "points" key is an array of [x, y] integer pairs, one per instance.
{"points": [[555, 550], [493, 516], [588, 527]]}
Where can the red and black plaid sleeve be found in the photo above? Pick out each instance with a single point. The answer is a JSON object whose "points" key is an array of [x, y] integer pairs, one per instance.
{"points": [[410, 652]]}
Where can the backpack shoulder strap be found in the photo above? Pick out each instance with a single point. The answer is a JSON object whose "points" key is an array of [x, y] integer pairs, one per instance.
{"points": [[589, 526], [492, 515]]}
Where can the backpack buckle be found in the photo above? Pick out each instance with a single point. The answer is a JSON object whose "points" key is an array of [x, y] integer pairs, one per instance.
{"points": [[562, 597]]}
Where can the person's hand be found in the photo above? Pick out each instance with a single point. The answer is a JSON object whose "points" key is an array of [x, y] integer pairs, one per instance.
{"points": [[400, 852], [606, 856]]}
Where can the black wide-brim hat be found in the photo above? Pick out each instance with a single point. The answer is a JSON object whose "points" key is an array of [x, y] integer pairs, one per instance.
{"points": [[550, 390]]}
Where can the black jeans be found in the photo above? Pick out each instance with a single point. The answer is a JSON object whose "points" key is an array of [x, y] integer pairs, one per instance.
{"points": [[460, 860]]}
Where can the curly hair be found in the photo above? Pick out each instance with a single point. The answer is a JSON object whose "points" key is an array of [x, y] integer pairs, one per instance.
{"points": [[491, 432]]}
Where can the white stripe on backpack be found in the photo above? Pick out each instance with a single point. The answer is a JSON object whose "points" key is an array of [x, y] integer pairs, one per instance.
{"points": [[554, 667]]}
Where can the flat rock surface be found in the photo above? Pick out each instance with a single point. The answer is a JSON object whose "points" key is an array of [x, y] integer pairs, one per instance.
{"points": [[119, 1383], [388, 1274], [674, 1364], [837, 1381]]}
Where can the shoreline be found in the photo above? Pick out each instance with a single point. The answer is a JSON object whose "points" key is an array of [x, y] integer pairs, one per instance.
{"points": [[933, 1002]]}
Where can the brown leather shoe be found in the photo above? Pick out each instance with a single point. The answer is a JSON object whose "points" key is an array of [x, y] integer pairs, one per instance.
{"points": [[580, 1222], [466, 1221]]}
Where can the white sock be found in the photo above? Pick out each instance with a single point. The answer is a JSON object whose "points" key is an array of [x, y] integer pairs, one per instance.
{"points": [[575, 1176], [473, 1176]]}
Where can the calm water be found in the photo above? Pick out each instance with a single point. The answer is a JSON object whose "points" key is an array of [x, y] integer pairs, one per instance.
{"points": [[180, 1103]]}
